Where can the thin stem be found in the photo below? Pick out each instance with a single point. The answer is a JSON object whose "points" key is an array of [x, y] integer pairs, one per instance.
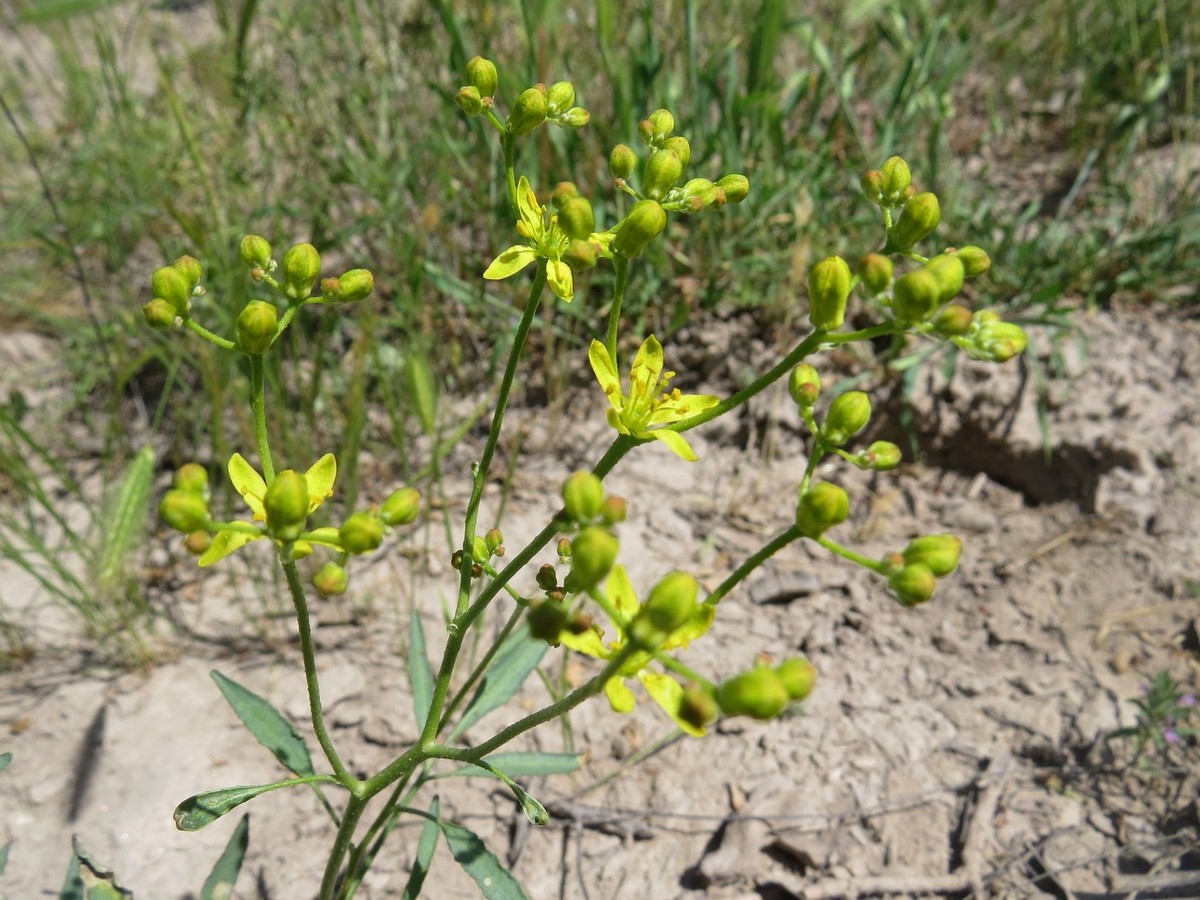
{"points": [[258, 397], [621, 264], [508, 144], [223, 343], [769, 549], [341, 843], [874, 565], [482, 665]]}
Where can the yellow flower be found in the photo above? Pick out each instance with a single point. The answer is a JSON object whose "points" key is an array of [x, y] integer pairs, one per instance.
{"points": [[648, 403], [253, 488], [662, 688], [545, 240]]}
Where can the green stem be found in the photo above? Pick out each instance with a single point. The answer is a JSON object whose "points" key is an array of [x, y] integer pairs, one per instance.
{"points": [[341, 844], [769, 549], [223, 343], [874, 565], [482, 665], [508, 144], [258, 404], [621, 264]]}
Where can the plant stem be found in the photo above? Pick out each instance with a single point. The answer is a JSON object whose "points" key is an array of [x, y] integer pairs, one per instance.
{"points": [[223, 343], [874, 565], [621, 264], [341, 843], [482, 665], [769, 549], [259, 406]]}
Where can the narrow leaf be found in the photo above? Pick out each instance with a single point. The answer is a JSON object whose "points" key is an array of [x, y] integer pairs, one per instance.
{"points": [[204, 809], [495, 882], [508, 672], [91, 880], [220, 881], [425, 847], [272, 730], [534, 811], [5, 759], [518, 764], [420, 675], [4, 857]]}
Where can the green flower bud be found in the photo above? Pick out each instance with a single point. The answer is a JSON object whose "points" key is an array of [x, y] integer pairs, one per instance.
{"points": [[563, 549], [362, 533], [160, 314], [547, 619], [577, 219], [668, 608], [682, 148], [804, 384], [583, 495], [997, 341], [662, 171], [481, 74], [197, 542], [913, 584], [256, 326], [697, 706], [872, 186], [581, 255], [941, 552], [528, 112], [975, 261], [480, 552], [172, 285], [828, 291], [593, 553], [698, 193], [494, 539], [759, 694], [658, 126], [622, 161], [559, 98], [952, 320], [875, 270], [255, 251], [918, 219], [469, 100], [301, 267], [401, 507], [896, 180], [646, 221], [331, 580], [191, 270], [575, 117], [947, 271], [848, 415], [350, 287], [881, 456], [736, 188], [192, 477], [547, 578], [286, 504], [916, 296], [823, 506], [798, 676], [613, 510], [185, 511], [563, 191]]}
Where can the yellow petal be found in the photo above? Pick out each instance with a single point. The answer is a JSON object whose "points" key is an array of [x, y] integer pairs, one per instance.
{"points": [[645, 372], [528, 208], [620, 698], [620, 593], [676, 409], [247, 482], [225, 543], [698, 622], [589, 642], [320, 478], [675, 441], [666, 692], [606, 374], [510, 262]]}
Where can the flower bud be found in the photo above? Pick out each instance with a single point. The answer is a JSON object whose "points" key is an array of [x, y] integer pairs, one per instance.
{"points": [[646, 221], [563, 549], [191, 270], [468, 100], [255, 251], [875, 270], [480, 552], [804, 384], [547, 619], [940, 552], [952, 320], [593, 553], [915, 296], [917, 221], [361, 533], [823, 506], [185, 511], [559, 98], [160, 314], [828, 291], [528, 112], [872, 186], [286, 505], [975, 261], [848, 414], [401, 507], [481, 74], [947, 271], [759, 694], [657, 127], [350, 287], [998, 341], [583, 495], [547, 578], [331, 580], [736, 188], [577, 219], [301, 266], [563, 191], [575, 117], [896, 181], [192, 477], [698, 193], [668, 608], [798, 676], [697, 706], [172, 285], [622, 161], [681, 147], [581, 255], [881, 456], [613, 510], [662, 171], [256, 326], [913, 584], [197, 542]]}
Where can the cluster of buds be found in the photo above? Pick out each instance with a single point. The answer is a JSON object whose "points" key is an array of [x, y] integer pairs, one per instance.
{"points": [[912, 574], [173, 286], [532, 108], [185, 506], [763, 692]]}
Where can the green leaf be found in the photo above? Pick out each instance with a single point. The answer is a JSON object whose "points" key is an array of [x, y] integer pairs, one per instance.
{"points": [[4, 857], [516, 659], [495, 882], [272, 730], [5, 759], [54, 10], [203, 809], [220, 881], [86, 878], [425, 847], [524, 764], [533, 809], [420, 675]]}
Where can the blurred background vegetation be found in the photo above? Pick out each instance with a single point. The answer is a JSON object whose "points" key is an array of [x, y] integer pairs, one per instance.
{"points": [[1059, 134]]}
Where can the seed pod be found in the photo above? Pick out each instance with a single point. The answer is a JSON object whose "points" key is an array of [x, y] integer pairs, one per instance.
{"points": [[468, 100], [593, 553], [896, 180], [481, 74], [913, 584], [192, 477], [286, 505], [528, 112], [256, 326], [184, 511], [823, 506], [622, 161], [331, 580], [947, 271], [798, 676], [663, 170], [361, 533], [941, 552], [876, 270], [559, 98], [975, 261], [915, 296], [848, 414], [828, 291], [577, 219], [301, 268], [918, 220], [736, 188], [804, 384], [759, 694], [401, 507], [172, 285], [952, 320], [255, 251], [160, 314], [646, 221], [583, 495]]}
